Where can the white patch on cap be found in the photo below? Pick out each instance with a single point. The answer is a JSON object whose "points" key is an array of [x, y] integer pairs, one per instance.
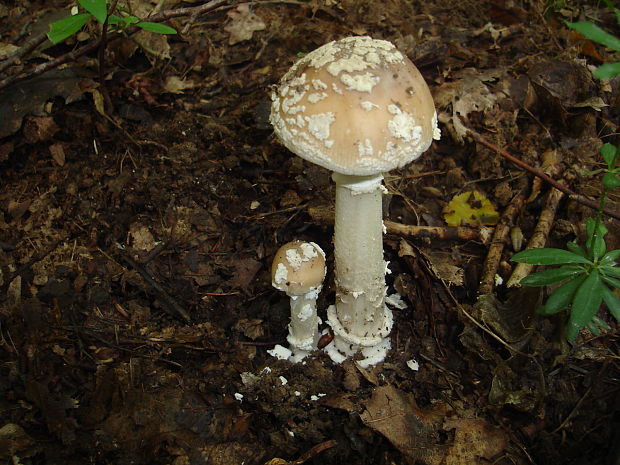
{"points": [[294, 259], [436, 130], [367, 106], [316, 97], [319, 124], [403, 126], [280, 276], [354, 63], [317, 84], [364, 148], [308, 250], [373, 57], [360, 82]]}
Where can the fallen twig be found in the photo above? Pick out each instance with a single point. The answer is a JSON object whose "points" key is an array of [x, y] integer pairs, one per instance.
{"points": [[25, 49], [540, 235], [536, 172], [498, 242], [171, 305], [452, 233], [48, 65], [306, 456]]}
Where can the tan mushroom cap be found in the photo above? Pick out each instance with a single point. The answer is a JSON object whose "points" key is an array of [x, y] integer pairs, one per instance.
{"points": [[298, 268], [356, 106]]}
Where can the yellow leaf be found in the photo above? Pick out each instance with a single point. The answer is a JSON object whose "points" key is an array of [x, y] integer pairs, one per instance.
{"points": [[470, 208]]}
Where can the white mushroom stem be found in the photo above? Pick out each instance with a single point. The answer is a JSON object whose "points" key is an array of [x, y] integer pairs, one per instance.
{"points": [[303, 330], [361, 318]]}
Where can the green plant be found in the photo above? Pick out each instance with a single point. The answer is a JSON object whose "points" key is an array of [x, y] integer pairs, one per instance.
{"points": [[108, 14], [596, 34], [588, 274]]}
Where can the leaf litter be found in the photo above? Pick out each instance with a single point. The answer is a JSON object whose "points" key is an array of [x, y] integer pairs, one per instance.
{"points": [[181, 199]]}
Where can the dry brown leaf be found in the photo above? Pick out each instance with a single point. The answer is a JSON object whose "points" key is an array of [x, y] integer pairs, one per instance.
{"points": [[58, 153], [244, 22], [473, 438], [418, 432], [466, 94], [252, 328], [176, 85], [412, 430], [141, 237]]}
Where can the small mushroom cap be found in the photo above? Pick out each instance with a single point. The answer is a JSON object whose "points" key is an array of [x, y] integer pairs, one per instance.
{"points": [[298, 268], [356, 106]]}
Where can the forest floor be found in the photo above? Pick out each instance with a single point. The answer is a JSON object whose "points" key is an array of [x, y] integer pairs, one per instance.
{"points": [[139, 218]]}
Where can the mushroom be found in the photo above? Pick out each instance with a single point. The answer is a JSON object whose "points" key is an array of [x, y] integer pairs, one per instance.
{"points": [[358, 107], [299, 270]]}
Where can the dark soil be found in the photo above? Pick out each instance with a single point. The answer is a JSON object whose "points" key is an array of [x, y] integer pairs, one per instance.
{"points": [[136, 239]]}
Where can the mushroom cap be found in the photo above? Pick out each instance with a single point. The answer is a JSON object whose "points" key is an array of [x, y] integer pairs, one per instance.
{"points": [[298, 268], [355, 106]]}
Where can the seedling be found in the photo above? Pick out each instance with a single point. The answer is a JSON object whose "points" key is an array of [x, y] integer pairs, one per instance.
{"points": [[589, 274], [110, 15]]}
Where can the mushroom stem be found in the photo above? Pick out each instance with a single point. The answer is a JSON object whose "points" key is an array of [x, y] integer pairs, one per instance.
{"points": [[303, 329], [360, 318]]}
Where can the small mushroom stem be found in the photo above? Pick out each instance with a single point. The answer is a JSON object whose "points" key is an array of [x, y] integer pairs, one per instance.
{"points": [[303, 332], [361, 318]]}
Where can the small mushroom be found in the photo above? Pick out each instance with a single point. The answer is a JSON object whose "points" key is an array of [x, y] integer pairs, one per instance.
{"points": [[358, 107], [299, 270]]}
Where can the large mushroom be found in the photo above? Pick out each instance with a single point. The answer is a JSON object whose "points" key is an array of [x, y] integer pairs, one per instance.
{"points": [[358, 107]]}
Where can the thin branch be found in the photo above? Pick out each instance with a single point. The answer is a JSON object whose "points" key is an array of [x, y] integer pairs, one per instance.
{"points": [[43, 67], [498, 242], [171, 305], [540, 235], [548, 179], [448, 233], [25, 49]]}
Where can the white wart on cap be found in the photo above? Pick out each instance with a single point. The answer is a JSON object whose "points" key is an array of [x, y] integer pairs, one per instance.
{"points": [[356, 106]]}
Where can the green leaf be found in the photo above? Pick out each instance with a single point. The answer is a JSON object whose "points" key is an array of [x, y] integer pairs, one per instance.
{"points": [[610, 257], [589, 172], [562, 296], [610, 181], [600, 323], [595, 33], [97, 8], [124, 20], [612, 302], [586, 302], [546, 277], [610, 270], [608, 152], [573, 247], [609, 280], [66, 27], [548, 256], [596, 238], [156, 28], [607, 71]]}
